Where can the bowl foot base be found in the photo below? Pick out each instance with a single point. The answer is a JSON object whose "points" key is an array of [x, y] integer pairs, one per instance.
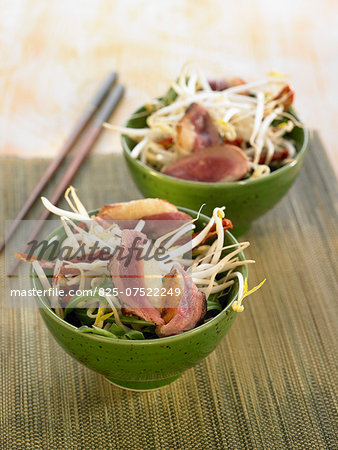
{"points": [[142, 385]]}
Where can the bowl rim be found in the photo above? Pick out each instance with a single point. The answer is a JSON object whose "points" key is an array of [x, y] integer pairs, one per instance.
{"points": [[220, 184], [41, 300]]}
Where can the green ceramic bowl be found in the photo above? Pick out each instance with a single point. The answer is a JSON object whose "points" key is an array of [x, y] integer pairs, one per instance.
{"points": [[245, 200], [142, 365]]}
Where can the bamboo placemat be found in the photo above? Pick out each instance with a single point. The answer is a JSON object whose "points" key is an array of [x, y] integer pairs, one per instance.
{"points": [[270, 384]]}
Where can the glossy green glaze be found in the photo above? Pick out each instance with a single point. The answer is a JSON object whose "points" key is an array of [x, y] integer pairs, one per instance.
{"points": [[148, 364], [245, 200]]}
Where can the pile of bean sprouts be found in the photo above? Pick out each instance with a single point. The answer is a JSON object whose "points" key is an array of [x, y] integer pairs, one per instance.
{"points": [[204, 264], [249, 117]]}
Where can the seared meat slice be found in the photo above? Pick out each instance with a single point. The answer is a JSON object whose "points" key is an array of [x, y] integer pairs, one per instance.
{"points": [[222, 85], [169, 222], [136, 209], [218, 163], [185, 311], [176, 215], [218, 84], [128, 274], [152, 228], [127, 213], [196, 130], [287, 96], [44, 263]]}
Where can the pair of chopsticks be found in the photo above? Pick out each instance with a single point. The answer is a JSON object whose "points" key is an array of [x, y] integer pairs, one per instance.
{"points": [[99, 110]]}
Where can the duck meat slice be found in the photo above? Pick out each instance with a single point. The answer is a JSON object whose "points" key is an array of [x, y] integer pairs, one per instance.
{"points": [[196, 130], [126, 213], [160, 224], [287, 96], [221, 84], [127, 271], [176, 215], [44, 263], [170, 220], [218, 84], [135, 209], [218, 163], [182, 312]]}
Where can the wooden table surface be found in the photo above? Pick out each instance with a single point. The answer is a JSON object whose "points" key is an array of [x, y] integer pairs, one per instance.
{"points": [[54, 54]]}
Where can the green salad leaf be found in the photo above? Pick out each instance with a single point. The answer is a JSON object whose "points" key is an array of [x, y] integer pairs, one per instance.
{"points": [[169, 97], [114, 332], [85, 302], [213, 302]]}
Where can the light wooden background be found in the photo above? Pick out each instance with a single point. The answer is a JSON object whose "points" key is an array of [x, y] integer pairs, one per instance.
{"points": [[54, 53]]}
